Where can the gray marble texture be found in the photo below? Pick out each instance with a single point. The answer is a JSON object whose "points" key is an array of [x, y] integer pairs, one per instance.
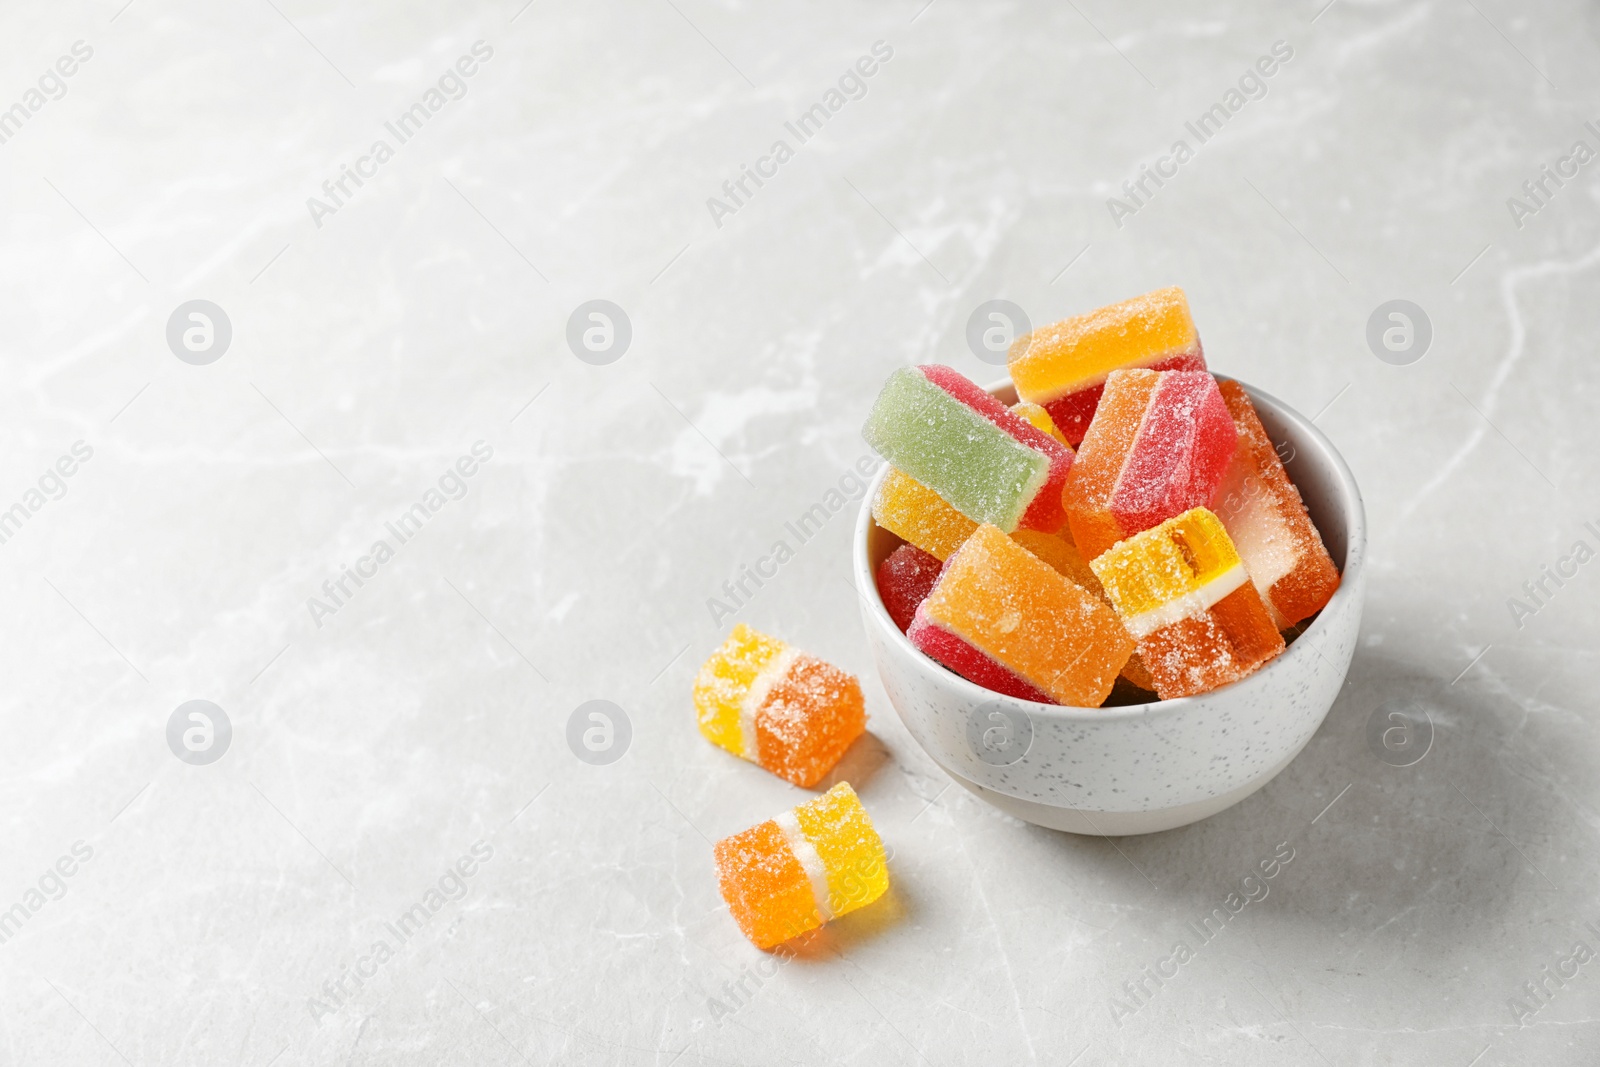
{"points": [[227, 913]]}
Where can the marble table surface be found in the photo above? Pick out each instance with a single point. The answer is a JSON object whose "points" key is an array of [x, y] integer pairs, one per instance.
{"points": [[394, 507]]}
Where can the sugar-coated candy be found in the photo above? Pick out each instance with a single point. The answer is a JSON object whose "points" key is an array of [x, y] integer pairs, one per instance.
{"points": [[915, 513], [1184, 594], [906, 507], [955, 652], [778, 707], [1004, 618], [1159, 445], [812, 864], [985, 461], [935, 531], [1058, 550], [1267, 520], [905, 578], [1064, 366]]}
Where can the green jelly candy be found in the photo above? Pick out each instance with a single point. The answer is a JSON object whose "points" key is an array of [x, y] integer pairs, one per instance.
{"points": [[979, 469]]}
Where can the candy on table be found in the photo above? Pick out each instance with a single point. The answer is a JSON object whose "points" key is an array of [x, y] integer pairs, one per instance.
{"points": [[1058, 550], [1041, 420], [1003, 618], [1159, 445], [912, 511], [1064, 366], [809, 865], [988, 463], [777, 706], [1184, 595], [1263, 513], [905, 578]]}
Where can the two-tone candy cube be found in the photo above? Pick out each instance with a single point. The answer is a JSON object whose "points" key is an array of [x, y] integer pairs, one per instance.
{"points": [[810, 865], [1158, 446], [1064, 366], [985, 461], [1185, 596], [794, 715], [778, 707], [1268, 523], [1004, 618]]}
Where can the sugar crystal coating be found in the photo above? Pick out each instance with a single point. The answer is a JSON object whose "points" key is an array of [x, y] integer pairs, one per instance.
{"points": [[816, 862], [1267, 519], [1000, 599], [935, 530], [778, 707], [1181, 558], [1044, 510], [767, 891], [1064, 366], [809, 718], [1184, 594], [724, 681], [972, 663], [949, 435], [852, 854], [1159, 445], [1181, 452], [905, 578], [1060, 552], [912, 511]]}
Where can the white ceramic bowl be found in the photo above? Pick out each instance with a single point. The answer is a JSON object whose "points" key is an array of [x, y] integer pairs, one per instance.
{"points": [[1138, 768]]}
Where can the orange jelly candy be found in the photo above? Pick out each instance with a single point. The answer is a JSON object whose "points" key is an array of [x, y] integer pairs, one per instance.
{"points": [[812, 864], [1014, 610], [1185, 596], [1064, 366], [778, 707], [1267, 520], [1060, 552]]}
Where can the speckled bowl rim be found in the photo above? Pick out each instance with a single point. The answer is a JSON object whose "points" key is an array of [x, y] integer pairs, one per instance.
{"points": [[1351, 509]]}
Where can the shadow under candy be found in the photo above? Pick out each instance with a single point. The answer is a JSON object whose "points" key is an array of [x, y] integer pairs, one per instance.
{"points": [[861, 762]]}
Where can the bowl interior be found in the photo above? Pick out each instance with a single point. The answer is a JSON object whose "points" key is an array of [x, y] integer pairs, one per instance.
{"points": [[1313, 464]]}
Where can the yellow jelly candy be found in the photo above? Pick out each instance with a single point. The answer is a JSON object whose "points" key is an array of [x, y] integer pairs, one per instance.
{"points": [[812, 864]]}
